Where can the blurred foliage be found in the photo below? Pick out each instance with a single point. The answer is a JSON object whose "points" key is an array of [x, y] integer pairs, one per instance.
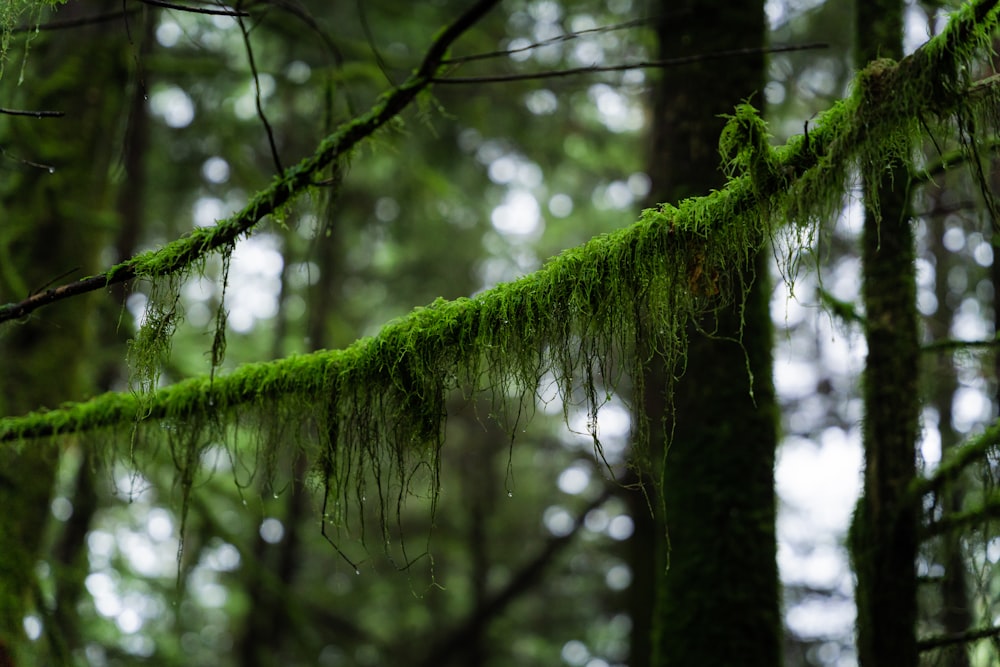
{"points": [[525, 560]]}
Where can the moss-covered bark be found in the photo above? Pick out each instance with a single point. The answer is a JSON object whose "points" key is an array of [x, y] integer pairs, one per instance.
{"points": [[718, 485], [52, 222], [884, 532]]}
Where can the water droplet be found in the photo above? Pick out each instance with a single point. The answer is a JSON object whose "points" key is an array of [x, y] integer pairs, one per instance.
{"points": [[244, 502], [52, 170], [357, 572], [510, 494], [276, 496]]}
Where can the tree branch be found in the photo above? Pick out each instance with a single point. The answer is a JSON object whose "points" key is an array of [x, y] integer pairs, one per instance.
{"points": [[33, 114], [972, 451], [594, 69], [195, 10], [546, 42], [987, 510], [181, 253], [966, 637], [946, 161], [640, 285], [275, 156], [951, 344]]}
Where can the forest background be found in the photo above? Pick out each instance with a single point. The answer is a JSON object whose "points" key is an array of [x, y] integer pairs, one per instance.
{"points": [[509, 551]]}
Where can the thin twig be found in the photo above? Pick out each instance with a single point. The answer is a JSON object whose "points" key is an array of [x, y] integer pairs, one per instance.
{"points": [[32, 114], [196, 10], [257, 97], [37, 165], [57, 278], [645, 64], [546, 42], [366, 28]]}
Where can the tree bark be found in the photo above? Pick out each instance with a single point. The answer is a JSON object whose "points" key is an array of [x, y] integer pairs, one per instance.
{"points": [[54, 220], [718, 486], [883, 535]]}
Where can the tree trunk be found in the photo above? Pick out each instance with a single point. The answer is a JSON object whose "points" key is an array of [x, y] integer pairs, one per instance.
{"points": [[718, 482], [884, 532], [54, 223]]}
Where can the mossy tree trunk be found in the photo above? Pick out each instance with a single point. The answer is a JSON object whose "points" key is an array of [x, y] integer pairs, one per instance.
{"points": [[717, 602], [53, 223], [884, 532]]}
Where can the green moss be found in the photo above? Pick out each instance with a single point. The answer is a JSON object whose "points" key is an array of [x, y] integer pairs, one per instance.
{"points": [[13, 13], [379, 404]]}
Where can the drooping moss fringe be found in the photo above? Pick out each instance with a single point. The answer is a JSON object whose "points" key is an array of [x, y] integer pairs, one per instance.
{"points": [[11, 13], [622, 296]]}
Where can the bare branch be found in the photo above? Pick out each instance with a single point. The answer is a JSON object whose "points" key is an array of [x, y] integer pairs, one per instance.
{"points": [[366, 28], [37, 165], [547, 42], [196, 10], [257, 96], [645, 64], [75, 23], [32, 114], [295, 180]]}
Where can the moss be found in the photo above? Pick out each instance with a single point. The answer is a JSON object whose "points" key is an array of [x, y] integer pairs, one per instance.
{"points": [[12, 12], [623, 295]]}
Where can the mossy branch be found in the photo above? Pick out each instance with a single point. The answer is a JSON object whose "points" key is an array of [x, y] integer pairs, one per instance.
{"points": [[583, 304], [968, 454], [659, 270], [181, 254], [621, 296], [987, 510], [949, 345]]}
